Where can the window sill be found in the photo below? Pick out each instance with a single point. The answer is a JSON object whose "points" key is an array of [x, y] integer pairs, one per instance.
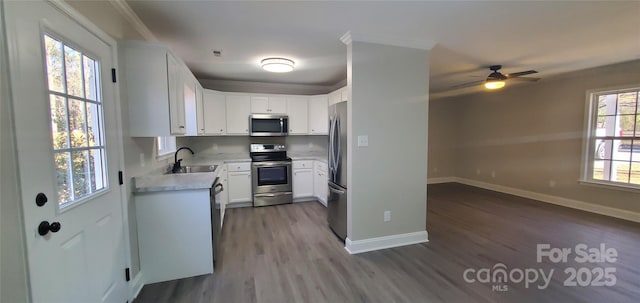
{"points": [[611, 185]]}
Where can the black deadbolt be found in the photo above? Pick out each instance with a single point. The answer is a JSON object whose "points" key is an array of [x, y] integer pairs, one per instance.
{"points": [[44, 227], [41, 199]]}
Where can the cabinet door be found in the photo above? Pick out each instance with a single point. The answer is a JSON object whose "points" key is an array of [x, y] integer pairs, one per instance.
{"points": [[259, 105], [200, 109], [297, 112], [176, 97], [320, 186], [318, 115], [214, 111], [239, 187], [278, 105], [189, 93], [238, 111], [302, 183]]}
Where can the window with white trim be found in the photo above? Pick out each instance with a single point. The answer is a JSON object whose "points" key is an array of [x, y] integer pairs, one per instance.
{"points": [[165, 145], [613, 145], [77, 126]]}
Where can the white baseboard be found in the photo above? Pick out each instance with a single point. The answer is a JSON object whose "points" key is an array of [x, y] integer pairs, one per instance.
{"points": [[360, 246], [441, 180], [576, 204], [136, 285]]}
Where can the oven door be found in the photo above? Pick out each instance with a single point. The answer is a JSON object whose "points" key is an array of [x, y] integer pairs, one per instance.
{"points": [[271, 177]]}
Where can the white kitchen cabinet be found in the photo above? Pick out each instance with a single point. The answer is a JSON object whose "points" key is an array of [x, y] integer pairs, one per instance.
{"points": [[199, 109], [320, 179], [190, 92], [268, 105], [318, 115], [174, 234], [223, 196], [214, 113], [297, 110], [238, 111], [153, 83], [302, 183], [239, 182], [176, 96]]}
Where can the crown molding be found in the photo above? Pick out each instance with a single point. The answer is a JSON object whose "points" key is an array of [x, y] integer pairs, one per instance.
{"points": [[125, 10], [349, 37]]}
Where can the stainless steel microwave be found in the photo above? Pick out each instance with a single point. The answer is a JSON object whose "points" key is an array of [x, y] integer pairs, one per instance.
{"points": [[266, 125]]}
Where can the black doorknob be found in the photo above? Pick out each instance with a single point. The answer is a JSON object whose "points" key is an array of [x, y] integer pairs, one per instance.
{"points": [[44, 227], [41, 199]]}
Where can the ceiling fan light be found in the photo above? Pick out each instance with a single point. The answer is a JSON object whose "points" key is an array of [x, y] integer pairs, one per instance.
{"points": [[494, 84], [277, 65]]}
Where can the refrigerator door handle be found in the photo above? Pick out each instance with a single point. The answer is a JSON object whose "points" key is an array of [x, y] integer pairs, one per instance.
{"points": [[330, 143], [339, 154]]}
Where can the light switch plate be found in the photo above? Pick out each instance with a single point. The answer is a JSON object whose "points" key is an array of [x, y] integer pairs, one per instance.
{"points": [[363, 141]]}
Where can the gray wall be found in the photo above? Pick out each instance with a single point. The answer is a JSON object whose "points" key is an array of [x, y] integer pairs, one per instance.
{"points": [[443, 126], [530, 136], [13, 278], [389, 103]]}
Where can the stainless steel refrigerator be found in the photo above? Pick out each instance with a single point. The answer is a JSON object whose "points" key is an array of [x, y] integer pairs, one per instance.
{"points": [[337, 201]]}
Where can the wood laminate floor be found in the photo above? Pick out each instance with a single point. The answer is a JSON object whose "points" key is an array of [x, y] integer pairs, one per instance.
{"points": [[288, 254]]}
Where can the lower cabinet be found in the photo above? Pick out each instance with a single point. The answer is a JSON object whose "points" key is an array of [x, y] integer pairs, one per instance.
{"points": [[320, 179], [310, 180], [239, 183], [174, 234], [223, 196], [302, 183]]}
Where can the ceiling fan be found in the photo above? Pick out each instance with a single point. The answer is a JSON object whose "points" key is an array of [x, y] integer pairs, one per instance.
{"points": [[497, 79]]}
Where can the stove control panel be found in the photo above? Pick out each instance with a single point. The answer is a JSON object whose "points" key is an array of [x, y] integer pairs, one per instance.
{"points": [[268, 148]]}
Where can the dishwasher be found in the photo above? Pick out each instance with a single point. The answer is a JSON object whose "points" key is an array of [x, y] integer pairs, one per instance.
{"points": [[216, 220]]}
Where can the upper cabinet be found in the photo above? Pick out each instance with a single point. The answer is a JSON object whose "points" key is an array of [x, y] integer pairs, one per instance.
{"points": [[297, 110], [318, 115], [338, 95], [214, 113], [157, 85], [268, 105], [238, 111]]}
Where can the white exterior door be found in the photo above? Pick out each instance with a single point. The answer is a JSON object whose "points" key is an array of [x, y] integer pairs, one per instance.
{"points": [[69, 152]]}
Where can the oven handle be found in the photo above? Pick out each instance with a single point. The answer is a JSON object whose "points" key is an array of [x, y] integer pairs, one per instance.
{"points": [[270, 164], [272, 195]]}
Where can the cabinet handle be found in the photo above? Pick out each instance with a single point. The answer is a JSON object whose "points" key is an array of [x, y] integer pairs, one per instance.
{"points": [[181, 126], [221, 130]]}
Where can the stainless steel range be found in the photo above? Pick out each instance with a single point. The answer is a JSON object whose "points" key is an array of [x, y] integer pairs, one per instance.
{"points": [[271, 171]]}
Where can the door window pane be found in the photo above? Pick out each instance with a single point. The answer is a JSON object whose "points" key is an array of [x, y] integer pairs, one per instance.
{"points": [[59, 126], [90, 79], [53, 51], [73, 68], [77, 125]]}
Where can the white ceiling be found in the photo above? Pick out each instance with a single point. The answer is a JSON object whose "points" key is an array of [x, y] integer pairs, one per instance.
{"points": [[551, 37]]}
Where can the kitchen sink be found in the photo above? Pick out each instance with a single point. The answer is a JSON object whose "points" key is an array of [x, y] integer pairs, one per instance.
{"points": [[189, 169]]}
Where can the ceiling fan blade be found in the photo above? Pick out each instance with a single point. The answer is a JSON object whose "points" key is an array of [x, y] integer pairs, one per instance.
{"points": [[519, 74], [524, 79], [468, 84]]}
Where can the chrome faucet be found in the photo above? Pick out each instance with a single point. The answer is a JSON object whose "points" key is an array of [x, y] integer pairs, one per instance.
{"points": [[176, 165]]}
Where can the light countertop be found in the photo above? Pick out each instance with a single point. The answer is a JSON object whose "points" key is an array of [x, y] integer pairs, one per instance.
{"points": [[157, 181], [319, 156]]}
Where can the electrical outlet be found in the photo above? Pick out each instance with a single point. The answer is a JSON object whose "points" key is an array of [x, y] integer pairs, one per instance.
{"points": [[215, 146], [363, 141], [142, 160], [387, 215], [493, 174]]}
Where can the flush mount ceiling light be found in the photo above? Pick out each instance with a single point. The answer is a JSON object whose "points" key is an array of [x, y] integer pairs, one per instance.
{"points": [[277, 65]]}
